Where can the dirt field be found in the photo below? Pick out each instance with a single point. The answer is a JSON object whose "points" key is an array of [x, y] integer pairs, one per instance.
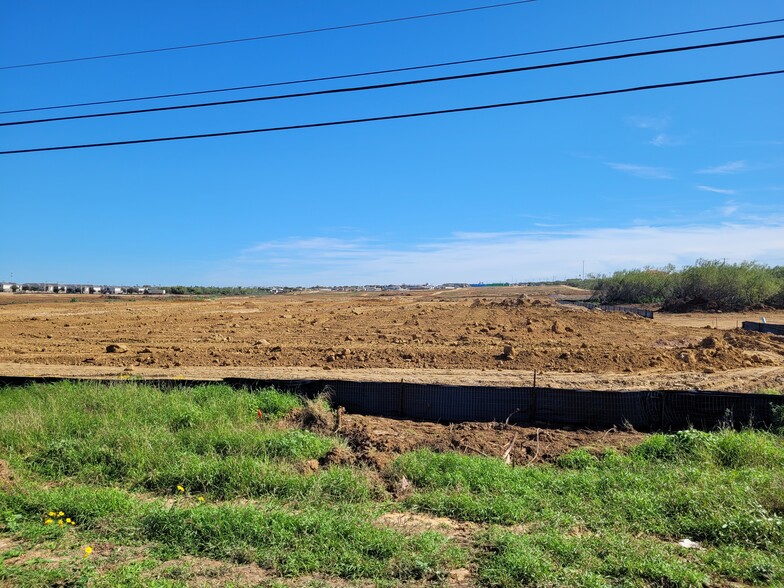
{"points": [[476, 336]]}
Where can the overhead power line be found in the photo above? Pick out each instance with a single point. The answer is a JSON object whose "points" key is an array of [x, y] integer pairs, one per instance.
{"points": [[396, 84], [395, 70], [397, 116], [272, 36]]}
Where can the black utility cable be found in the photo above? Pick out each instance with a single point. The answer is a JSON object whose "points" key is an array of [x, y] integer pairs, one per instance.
{"points": [[394, 84], [397, 69], [397, 116], [272, 36]]}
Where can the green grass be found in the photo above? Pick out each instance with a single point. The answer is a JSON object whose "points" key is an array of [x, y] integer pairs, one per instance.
{"points": [[112, 458], [552, 558], [315, 538], [99, 447], [724, 488], [208, 439], [628, 512]]}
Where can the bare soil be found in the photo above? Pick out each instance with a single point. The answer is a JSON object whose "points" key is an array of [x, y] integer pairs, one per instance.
{"points": [[6, 475], [467, 336], [377, 441]]}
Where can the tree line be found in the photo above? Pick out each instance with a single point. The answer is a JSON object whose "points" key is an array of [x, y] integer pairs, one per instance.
{"points": [[706, 285]]}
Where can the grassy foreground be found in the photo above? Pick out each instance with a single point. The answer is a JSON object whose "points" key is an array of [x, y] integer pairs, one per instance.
{"points": [[128, 485]]}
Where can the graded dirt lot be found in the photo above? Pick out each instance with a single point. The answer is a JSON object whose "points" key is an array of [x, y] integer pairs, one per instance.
{"points": [[467, 336]]}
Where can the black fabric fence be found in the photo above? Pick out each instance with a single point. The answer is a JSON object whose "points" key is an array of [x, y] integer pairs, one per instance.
{"points": [[610, 307], [763, 328], [643, 410], [555, 407]]}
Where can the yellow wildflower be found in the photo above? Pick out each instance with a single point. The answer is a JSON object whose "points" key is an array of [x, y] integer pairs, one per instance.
{"points": [[73, 523], [201, 498], [51, 514], [68, 520], [87, 551], [61, 514], [60, 522], [180, 488], [48, 522]]}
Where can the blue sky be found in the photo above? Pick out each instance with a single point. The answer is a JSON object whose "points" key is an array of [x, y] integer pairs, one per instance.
{"points": [[524, 193]]}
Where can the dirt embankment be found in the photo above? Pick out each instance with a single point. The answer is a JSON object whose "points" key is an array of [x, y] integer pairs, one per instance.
{"points": [[378, 441]]}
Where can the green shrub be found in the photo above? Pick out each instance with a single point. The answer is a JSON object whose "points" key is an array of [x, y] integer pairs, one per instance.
{"points": [[642, 286], [726, 286], [710, 284]]}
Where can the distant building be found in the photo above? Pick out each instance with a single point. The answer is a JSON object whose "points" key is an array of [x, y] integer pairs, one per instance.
{"points": [[156, 291], [77, 289], [7, 287]]}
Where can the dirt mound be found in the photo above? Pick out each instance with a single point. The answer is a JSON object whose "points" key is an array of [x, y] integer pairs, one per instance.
{"points": [[378, 441], [506, 302], [315, 416], [712, 342]]}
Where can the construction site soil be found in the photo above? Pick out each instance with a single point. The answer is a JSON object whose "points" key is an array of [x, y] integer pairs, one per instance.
{"points": [[466, 336], [377, 441]]}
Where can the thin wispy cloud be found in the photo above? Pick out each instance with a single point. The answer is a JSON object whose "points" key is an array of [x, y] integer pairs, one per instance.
{"points": [[476, 236], [729, 209], [716, 190], [314, 243], [642, 171], [731, 167], [507, 256], [665, 140], [657, 123]]}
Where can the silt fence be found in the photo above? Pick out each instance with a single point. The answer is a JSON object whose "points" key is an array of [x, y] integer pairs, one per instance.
{"points": [[611, 307], [763, 328], [647, 410]]}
